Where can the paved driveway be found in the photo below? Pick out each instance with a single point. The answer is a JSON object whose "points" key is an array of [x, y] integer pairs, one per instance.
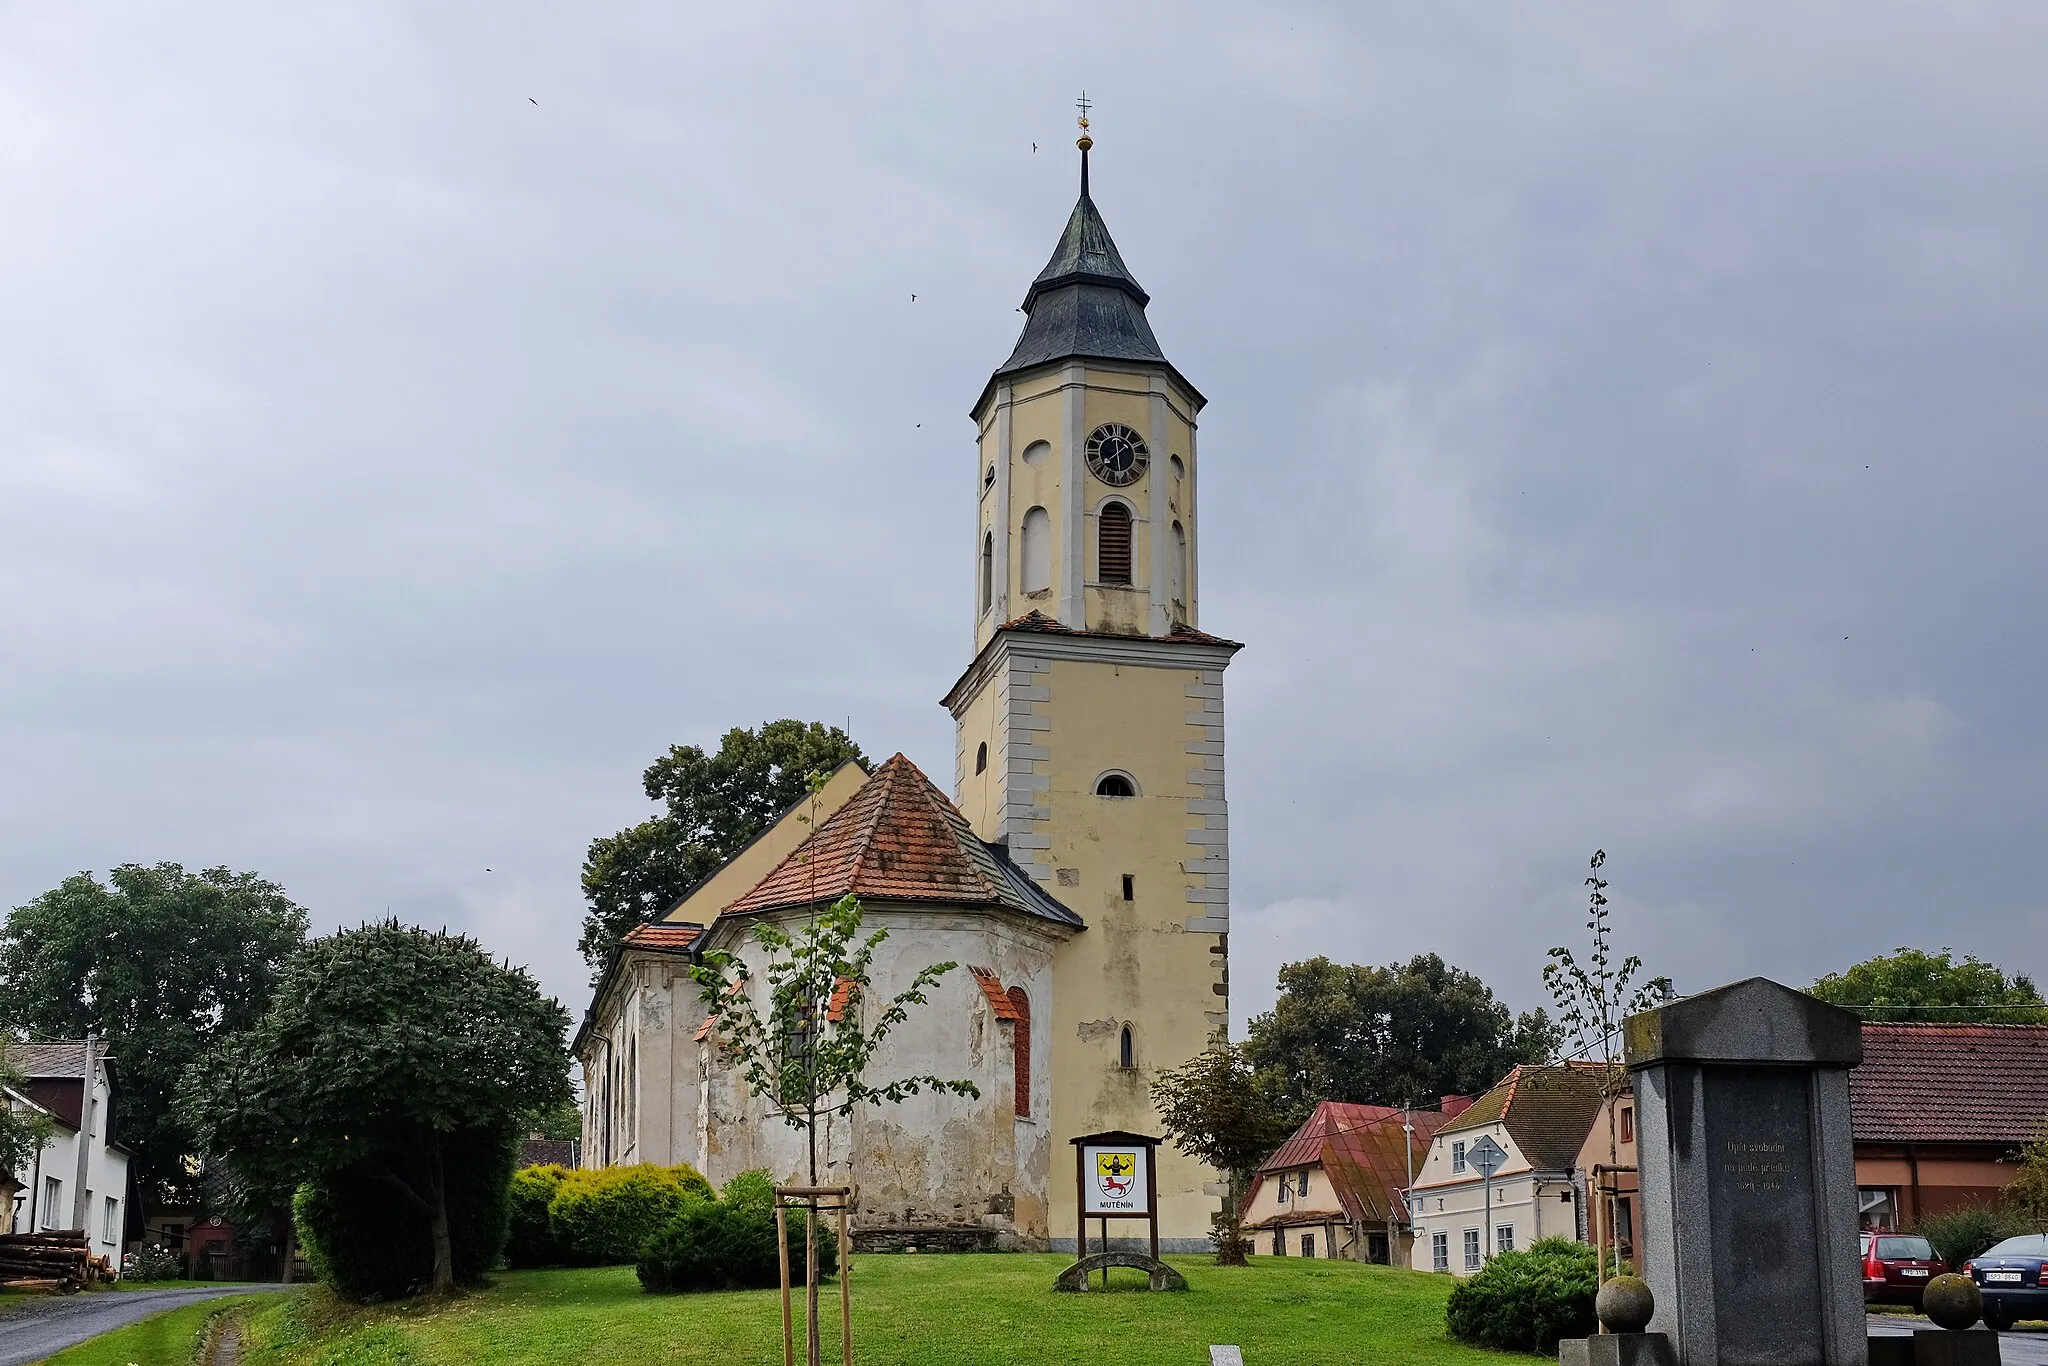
{"points": [[32, 1329], [2026, 1346]]}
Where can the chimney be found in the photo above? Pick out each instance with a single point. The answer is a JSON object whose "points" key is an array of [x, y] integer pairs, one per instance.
{"points": [[1453, 1106]]}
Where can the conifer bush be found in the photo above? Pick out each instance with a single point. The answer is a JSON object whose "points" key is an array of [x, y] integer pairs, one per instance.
{"points": [[531, 1241], [604, 1217], [729, 1244], [1526, 1301]]}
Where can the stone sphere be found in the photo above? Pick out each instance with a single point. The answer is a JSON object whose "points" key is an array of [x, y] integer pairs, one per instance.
{"points": [[1952, 1301], [1625, 1306]]}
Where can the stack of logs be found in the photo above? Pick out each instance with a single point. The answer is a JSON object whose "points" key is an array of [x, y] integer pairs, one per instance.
{"points": [[59, 1260]]}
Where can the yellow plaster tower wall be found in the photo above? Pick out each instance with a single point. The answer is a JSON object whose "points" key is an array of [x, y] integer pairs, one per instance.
{"points": [[1075, 679]]}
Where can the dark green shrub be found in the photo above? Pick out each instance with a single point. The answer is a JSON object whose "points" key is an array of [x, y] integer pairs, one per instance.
{"points": [[1961, 1233], [369, 1242], [729, 1246], [750, 1190], [1526, 1301], [604, 1217], [531, 1242]]}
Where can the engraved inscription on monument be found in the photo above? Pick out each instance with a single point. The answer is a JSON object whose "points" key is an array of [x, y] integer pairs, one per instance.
{"points": [[1760, 1183]]}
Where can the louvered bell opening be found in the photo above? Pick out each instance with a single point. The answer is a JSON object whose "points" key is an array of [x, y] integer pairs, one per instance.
{"points": [[1113, 554]]}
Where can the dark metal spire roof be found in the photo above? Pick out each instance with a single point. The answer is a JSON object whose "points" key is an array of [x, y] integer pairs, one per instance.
{"points": [[1085, 302]]}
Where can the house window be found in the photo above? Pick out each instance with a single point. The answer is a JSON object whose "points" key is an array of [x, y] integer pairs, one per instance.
{"points": [[1457, 1157], [1439, 1252], [1130, 888], [1279, 1243], [1020, 1052], [1308, 1244], [1123, 1049], [988, 570], [1624, 1221], [1113, 543], [1473, 1260], [981, 757], [1304, 1184], [53, 1193], [1035, 555], [1628, 1124], [1286, 1189], [1503, 1238], [111, 1228]]}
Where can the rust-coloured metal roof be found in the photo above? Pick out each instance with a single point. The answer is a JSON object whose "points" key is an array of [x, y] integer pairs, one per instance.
{"points": [[1364, 1152], [1950, 1083], [899, 839], [992, 987]]}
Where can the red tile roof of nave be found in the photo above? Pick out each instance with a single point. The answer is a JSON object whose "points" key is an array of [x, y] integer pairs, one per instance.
{"points": [[1363, 1150], [1038, 622], [1950, 1083], [998, 999], [897, 839], [662, 936]]}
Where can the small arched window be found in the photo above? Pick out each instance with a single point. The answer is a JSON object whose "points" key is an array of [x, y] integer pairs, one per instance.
{"points": [[1115, 785], [1123, 1049], [981, 757], [988, 570], [1113, 543], [1020, 1051], [1180, 471], [1035, 556], [988, 480]]}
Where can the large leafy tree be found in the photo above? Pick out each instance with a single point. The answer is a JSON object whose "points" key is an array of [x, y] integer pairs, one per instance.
{"points": [[713, 804], [1218, 1110], [384, 1043], [1402, 1034], [1915, 985], [161, 963]]}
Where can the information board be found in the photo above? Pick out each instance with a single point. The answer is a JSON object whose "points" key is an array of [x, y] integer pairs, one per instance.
{"points": [[1114, 1179]]}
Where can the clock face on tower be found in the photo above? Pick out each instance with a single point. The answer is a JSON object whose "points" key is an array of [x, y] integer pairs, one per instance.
{"points": [[1116, 454]]}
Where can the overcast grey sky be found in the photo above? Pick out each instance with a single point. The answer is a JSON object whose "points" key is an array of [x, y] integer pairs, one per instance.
{"points": [[1625, 430]]}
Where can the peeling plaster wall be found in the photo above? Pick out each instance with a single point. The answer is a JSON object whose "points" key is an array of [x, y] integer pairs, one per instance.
{"points": [[936, 1158]]}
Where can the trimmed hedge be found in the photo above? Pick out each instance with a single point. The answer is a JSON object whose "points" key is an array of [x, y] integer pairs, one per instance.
{"points": [[1961, 1233], [1526, 1301], [369, 1242], [531, 1241], [604, 1217], [730, 1244]]}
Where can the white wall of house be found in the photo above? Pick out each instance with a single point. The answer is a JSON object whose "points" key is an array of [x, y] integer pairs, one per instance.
{"points": [[48, 1199], [1456, 1221]]}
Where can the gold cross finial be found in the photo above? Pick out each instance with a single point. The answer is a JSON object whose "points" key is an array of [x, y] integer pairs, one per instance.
{"points": [[1084, 142]]}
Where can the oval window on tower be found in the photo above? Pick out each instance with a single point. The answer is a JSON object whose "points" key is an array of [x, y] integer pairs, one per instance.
{"points": [[1034, 566], [1035, 453]]}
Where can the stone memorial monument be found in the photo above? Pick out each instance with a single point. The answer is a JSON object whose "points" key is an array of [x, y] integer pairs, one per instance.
{"points": [[1748, 1176]]}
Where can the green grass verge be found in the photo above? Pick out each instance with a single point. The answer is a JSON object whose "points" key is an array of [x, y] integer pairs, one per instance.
{"points": [[169, 1339], [991, 1310]]}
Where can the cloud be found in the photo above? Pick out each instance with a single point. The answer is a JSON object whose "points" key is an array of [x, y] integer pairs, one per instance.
{"points": [[1623, 433]]}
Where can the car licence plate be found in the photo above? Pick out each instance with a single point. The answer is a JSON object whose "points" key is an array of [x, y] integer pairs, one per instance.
{"points": [[1912, 1271], [2003, 1277]]}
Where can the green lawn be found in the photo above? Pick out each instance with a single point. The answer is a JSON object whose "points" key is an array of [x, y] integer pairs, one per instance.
{"points": [[992, 1310], [169, 1339]]}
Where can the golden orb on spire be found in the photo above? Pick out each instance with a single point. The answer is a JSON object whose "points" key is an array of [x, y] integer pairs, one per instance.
{"points": [[1084, 142]]}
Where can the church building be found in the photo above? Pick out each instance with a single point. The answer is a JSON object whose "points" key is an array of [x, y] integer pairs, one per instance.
{"points": [[1079, 873]]}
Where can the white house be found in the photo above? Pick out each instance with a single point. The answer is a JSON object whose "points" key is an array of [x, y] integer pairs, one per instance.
{"points": [[1562, 1155], [80, 1178]]}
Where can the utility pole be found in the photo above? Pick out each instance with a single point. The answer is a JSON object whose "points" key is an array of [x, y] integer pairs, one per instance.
{"points": [[79, 1212]]}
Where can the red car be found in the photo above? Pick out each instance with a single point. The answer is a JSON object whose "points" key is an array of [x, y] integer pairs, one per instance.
{"points": [[1897, 1267]]}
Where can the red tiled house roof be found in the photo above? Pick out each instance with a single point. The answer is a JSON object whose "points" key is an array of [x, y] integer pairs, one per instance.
{"points": [[1950, 1083], [662, 938], [1363, 1150], [1548, 1111], [899, 839]]}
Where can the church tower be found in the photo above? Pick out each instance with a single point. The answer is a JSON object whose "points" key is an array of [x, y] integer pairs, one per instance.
{"points": [[1089, 727]]}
